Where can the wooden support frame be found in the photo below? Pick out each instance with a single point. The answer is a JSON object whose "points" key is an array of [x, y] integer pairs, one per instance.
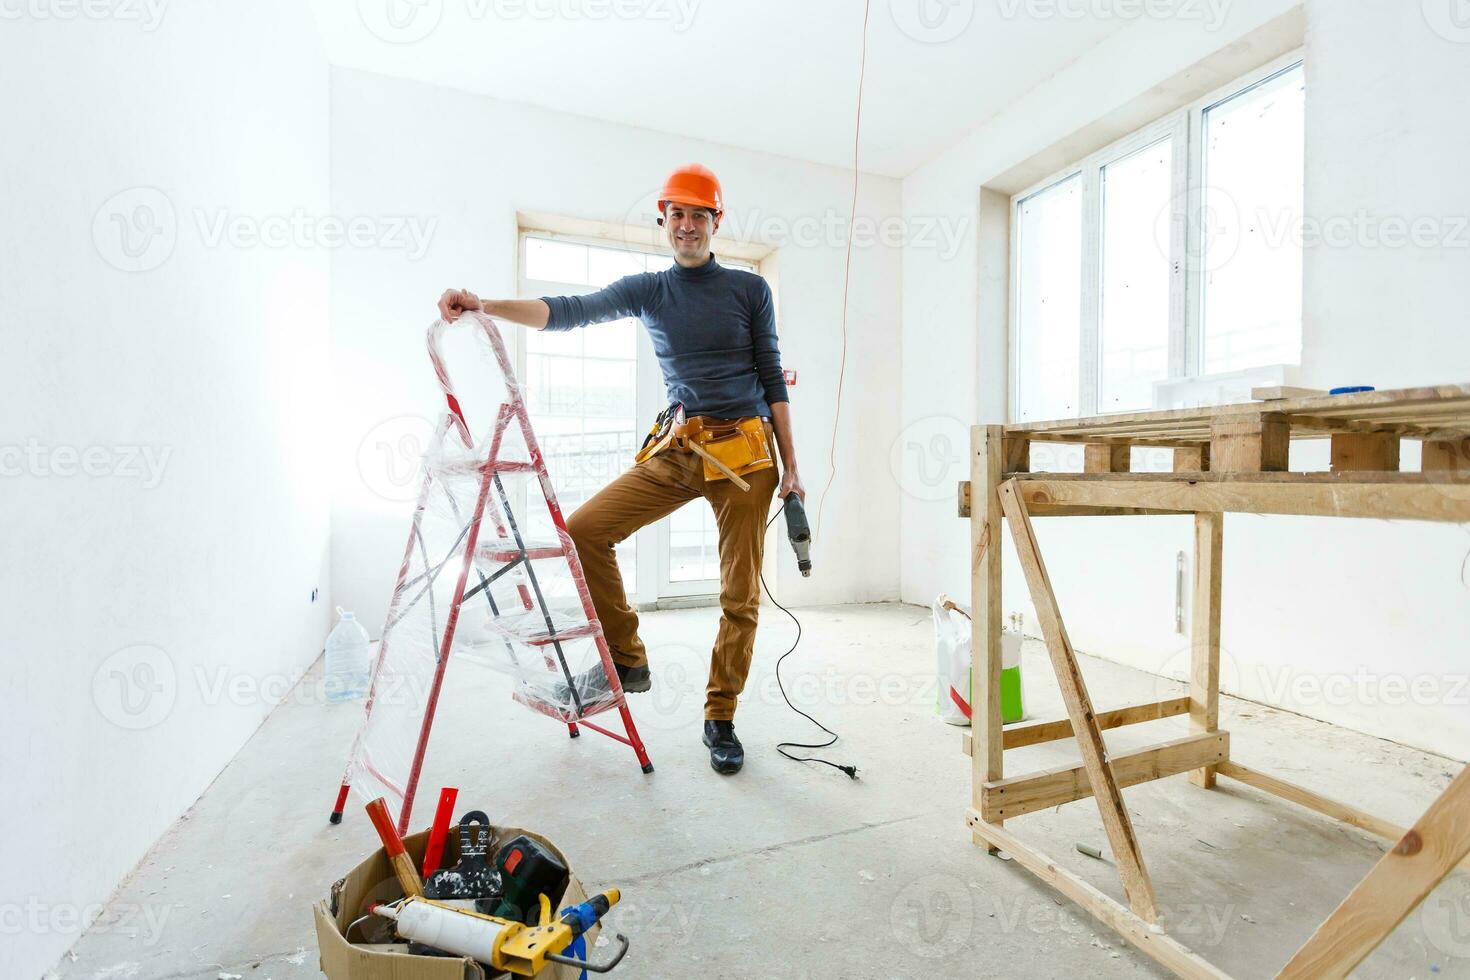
{"points": [[1232, 459]]}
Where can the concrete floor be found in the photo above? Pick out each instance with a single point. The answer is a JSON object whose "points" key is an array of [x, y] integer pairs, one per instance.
{"points": [[786, 870]]}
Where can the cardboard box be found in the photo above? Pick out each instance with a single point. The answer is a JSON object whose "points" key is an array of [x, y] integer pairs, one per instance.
{"points": [[374, 956]]}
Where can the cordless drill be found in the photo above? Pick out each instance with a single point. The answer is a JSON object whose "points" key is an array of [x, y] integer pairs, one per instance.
{"points": [[799, 532]]}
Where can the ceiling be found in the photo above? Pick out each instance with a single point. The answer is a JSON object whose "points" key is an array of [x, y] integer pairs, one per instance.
{"points": [[778, 76]]}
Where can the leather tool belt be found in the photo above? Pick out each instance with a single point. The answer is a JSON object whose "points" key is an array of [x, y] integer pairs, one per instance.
{"points": [[730, 448]]}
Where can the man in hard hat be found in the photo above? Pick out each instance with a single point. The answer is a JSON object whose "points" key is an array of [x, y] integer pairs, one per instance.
{"points": [[714, 333]]}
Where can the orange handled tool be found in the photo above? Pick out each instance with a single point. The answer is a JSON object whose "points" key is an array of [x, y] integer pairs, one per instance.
{"points": [[403, 867]]}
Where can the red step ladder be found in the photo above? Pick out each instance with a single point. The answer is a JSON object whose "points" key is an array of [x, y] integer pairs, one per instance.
{"points": [[463, 482]]}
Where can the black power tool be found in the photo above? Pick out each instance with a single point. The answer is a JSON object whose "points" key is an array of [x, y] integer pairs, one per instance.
{"points": [[799, 532]]}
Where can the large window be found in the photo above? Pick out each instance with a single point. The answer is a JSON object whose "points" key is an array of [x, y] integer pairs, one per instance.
{"points": [[592, 394], [1173, 254]]}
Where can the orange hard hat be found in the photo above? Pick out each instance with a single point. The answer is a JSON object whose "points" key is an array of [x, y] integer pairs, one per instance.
{"points": [[695, 184]]}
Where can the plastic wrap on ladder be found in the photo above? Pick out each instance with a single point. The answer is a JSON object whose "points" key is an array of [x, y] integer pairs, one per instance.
{"points": [[513, 562]]}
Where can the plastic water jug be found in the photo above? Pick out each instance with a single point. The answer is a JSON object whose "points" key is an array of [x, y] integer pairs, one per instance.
{"points": [[347, 659]]}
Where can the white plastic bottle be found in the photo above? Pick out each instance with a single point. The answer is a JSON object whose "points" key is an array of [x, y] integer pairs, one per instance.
{"points": [[347, 659]]}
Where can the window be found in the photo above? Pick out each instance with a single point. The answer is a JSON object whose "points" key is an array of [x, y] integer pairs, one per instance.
{"points": [[1168, 255], [592, 394]]}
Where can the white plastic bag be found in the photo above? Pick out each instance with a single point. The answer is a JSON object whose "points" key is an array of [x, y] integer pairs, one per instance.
{"points": [[952, 646]]}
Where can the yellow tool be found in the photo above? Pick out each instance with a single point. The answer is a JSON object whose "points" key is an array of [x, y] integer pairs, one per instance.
{"points": [[502, 943]]}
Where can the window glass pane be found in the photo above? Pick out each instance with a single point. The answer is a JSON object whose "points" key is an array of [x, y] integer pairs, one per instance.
{"points": [[606, 265], [1133, 341], [1252, 257], [693, 544], [556, 261], [1049, 297]]}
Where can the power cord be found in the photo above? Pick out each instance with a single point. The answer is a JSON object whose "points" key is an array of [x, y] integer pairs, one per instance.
{"points": [[781, 747]]}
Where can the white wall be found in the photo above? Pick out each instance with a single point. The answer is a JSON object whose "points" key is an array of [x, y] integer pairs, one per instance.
{"points": [[1335, 619], [463, 165], [209, 360]]}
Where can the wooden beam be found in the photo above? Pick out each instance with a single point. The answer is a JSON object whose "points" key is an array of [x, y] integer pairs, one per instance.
{"points": [[1040, 732], [1444, 501], [1147, 938], [1115, 819], [1394, 888], [987, 462], [1204, 632], [1193, 459], [1375, 451], [1250, 443], [1447, 456], [1020, 795], [1104, 457], [1326, 806], [1015, 454]]}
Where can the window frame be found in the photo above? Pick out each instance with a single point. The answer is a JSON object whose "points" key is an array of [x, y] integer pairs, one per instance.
{"points": [[1186, 273]]}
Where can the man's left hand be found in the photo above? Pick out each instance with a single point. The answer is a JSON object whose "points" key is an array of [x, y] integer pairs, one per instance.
{"points": [[791, 483]]}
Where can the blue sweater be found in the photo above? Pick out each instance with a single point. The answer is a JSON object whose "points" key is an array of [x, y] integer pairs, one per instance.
{"points": [[713, 329]]}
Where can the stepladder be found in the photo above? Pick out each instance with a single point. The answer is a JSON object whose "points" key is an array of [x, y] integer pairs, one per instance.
{"points": [[489, 577]]}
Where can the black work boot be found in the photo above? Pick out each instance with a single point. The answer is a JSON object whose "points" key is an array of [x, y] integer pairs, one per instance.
{"points": [[726, 755], [592, 684]]}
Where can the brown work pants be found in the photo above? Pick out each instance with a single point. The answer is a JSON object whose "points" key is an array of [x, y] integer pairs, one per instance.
{"points": [[651, 489]]}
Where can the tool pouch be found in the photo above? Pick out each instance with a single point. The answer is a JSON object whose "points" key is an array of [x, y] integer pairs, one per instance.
{"points": [[743, 445]]}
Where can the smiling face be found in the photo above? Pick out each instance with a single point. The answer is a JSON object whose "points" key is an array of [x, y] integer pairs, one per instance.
{"points": [[689, 228]]}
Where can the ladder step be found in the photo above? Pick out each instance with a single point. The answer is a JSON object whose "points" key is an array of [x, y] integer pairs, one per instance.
{"points": [[504, 550], [529, 627]]}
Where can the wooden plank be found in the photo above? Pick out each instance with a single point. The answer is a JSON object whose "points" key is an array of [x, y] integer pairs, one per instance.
{"points": [[1204, 633], [1326, 806], [986, 466], [1193, 459], [1250, 443], [1147, 938], [1278, 392], [1115, 819], [1375, 451], [1044, 510], [1015, 454], [1405, 501], [1407, 404], [1446, 456], [1438, 841], [1107, 457], [1036, 733], [1019, 795]]}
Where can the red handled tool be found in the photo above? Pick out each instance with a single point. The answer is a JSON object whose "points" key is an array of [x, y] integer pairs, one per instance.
{"points": [[403, 867], [434, 850]]}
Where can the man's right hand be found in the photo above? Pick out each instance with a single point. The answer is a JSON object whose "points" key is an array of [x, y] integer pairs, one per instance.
{"points": [[457, 301]]}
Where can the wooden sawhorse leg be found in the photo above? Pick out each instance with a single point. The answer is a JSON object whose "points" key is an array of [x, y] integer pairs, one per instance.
{"points": [[1116, 822], [987, 750], [1392, 889], [1204, 628]]}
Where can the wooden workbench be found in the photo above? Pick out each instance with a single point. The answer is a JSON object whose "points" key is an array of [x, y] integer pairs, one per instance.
{"points": [[1227, 459]]}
